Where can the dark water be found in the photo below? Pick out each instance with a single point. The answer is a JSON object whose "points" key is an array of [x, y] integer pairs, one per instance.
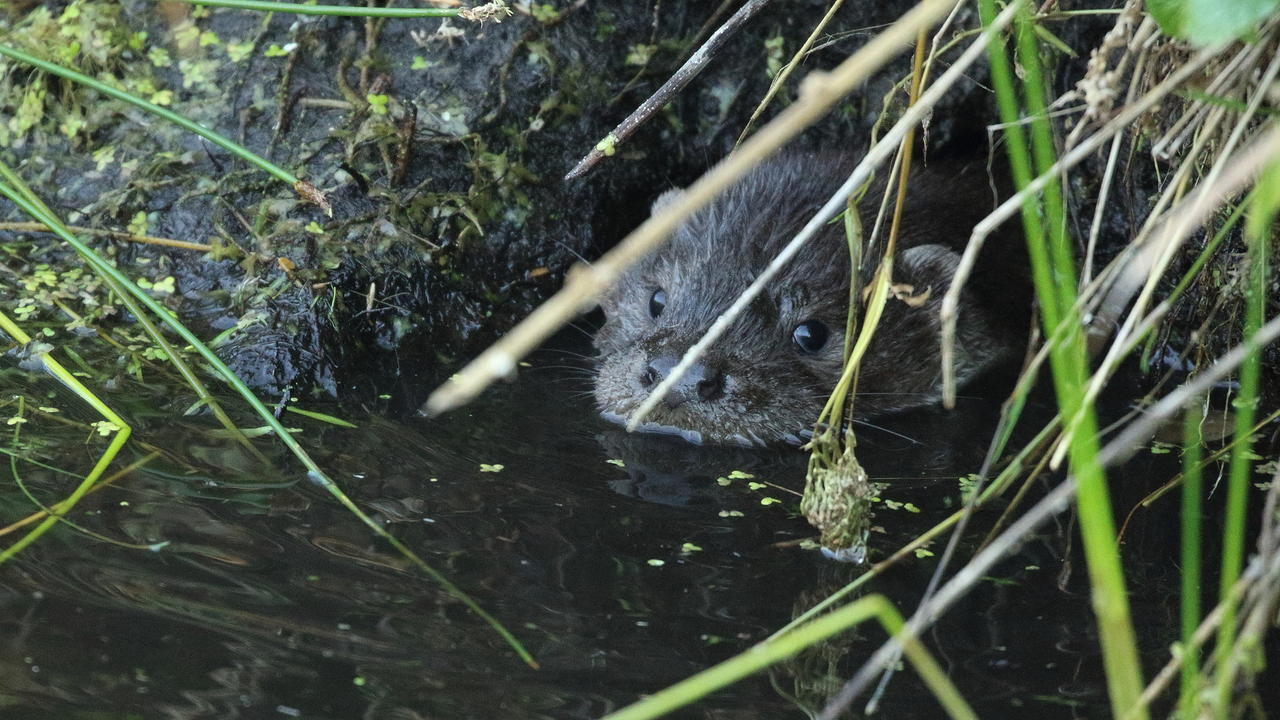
{"points": [[620, 562]]}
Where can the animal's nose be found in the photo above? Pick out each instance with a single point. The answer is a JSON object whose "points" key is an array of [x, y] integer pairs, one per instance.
{"points": [[700, 382]]}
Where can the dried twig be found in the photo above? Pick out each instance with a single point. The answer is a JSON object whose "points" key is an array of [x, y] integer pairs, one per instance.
{"points": [[1010, 207], [677, 82], [117, 234]]}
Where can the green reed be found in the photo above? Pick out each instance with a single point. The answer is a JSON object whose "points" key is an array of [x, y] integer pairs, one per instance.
{"points": [[1258, 234], [1192, 487], [778, 648], [1053, 275]]}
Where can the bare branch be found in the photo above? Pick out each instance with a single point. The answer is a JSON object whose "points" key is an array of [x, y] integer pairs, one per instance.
{"points": [[677, 82]]}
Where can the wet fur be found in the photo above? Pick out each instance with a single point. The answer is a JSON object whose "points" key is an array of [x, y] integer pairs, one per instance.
{"points": [[772, 391]]}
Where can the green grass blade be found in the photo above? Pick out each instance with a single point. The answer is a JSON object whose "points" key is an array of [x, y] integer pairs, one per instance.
{"points": [[341, 10], [306, 190], [775, 650], [314, 472], [1053, 276], [1192, 488], [1263, 210]]}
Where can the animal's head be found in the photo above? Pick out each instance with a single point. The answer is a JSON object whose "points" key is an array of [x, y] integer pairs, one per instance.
{"points": [[769, 374]]}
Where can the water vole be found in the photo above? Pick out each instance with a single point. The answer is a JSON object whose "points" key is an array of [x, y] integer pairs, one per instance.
{"points": [[766, 379]]}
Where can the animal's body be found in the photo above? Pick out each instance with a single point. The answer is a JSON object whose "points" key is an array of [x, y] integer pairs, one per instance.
{"points": [[768, 377]]}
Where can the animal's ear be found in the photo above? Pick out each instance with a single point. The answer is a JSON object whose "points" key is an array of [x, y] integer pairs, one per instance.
{"points": [[666, 199], [927, 265]]}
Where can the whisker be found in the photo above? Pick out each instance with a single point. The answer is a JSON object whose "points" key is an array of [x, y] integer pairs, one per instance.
{"points": [[575, 253], [882, 428], [585, 332], [569, 353]]}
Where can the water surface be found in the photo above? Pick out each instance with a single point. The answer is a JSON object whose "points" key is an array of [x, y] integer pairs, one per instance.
{"points": [[624, 563]]}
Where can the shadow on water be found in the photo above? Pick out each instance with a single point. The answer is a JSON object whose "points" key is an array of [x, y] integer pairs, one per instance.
{"points": [[623, 562]]}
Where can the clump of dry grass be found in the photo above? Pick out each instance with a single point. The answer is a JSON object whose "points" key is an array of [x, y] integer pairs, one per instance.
{"points": [[1195, 121]]}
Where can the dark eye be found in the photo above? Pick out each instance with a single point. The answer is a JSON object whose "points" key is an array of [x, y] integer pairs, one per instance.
{"points": [[809, 336], [658, 302]]}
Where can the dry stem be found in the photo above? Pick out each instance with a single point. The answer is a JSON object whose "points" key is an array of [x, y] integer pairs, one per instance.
{"points": [[1010, 207], [677, 82]]}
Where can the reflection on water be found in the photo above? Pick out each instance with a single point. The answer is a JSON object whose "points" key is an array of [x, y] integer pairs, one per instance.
{"points": [[623, 562]]}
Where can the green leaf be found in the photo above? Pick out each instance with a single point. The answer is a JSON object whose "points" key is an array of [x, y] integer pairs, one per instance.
{"points": [[1265, 203], [1209, 22], [322, 417]]}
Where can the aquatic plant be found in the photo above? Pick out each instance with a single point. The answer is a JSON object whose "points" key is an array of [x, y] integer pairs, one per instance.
{"points": [[149, 312]]}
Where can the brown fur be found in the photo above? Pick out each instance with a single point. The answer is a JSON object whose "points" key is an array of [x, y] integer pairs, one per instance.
{"points": [[755, 385]]}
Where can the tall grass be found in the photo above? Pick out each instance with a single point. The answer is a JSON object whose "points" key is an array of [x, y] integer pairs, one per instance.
{"points": [[1258, 230], [1192, 487], [13, 188], [1054, 279]]}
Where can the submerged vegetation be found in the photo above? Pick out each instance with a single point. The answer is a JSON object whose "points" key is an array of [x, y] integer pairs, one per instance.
{"points": [[1142, 145]]}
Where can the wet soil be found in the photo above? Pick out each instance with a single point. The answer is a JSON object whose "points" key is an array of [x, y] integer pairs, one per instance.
{"points": [[441, 146]]}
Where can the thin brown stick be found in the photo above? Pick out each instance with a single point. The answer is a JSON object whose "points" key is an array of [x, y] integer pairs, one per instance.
{"points": [[781, 78], [677, 82], [117, 234], [583, 285], [905, 149]]}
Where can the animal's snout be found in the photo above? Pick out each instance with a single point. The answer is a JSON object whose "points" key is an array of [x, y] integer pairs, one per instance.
{"points": [[700, 382]]}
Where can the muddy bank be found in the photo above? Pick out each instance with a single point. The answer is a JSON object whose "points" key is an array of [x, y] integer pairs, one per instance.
{"points": [[440, 143]]}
